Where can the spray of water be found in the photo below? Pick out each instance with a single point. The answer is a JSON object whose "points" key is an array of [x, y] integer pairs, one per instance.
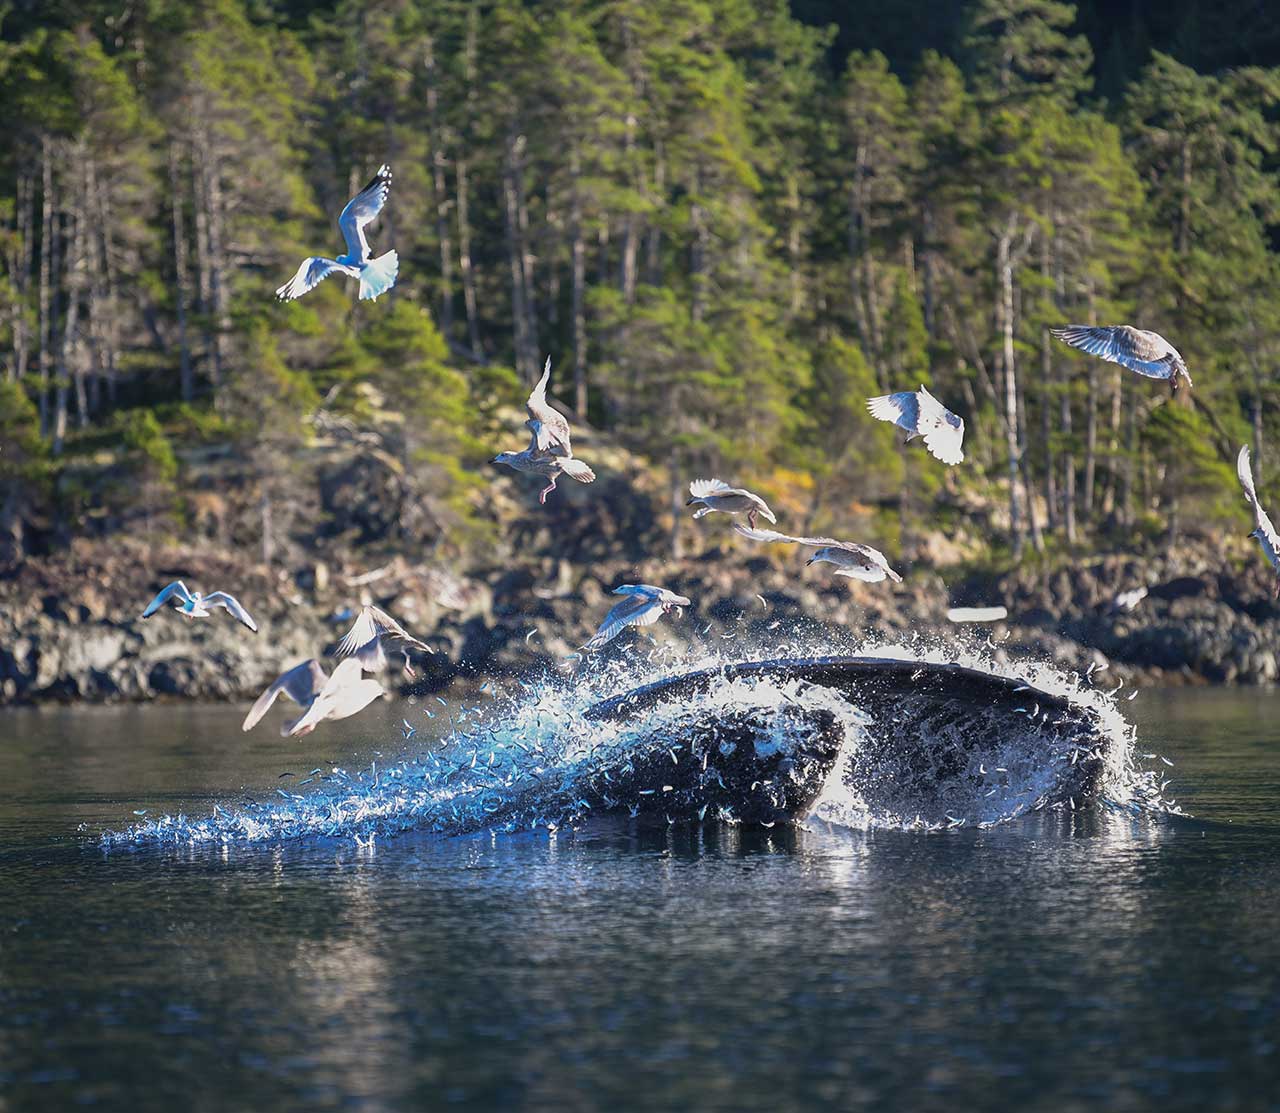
{"points": [[529, 760]]}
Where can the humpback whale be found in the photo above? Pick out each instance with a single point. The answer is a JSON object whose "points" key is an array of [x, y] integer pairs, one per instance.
{"points": [[863, 742], [934, 741]]}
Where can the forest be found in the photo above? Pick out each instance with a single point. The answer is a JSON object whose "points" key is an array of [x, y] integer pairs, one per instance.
{"points": [[727, 222]]}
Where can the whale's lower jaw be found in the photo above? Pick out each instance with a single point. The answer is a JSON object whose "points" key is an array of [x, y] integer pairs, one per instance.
{"points": [[935, 741]]}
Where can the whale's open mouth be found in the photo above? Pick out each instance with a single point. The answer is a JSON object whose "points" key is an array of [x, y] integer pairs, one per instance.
{"points": [[903, 741]]}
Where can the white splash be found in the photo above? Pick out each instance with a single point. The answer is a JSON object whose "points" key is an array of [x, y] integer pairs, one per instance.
{"points": [[515, 763]]}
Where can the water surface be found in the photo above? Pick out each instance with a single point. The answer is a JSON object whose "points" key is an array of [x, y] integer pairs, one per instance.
{"points": [[1062, 961]]}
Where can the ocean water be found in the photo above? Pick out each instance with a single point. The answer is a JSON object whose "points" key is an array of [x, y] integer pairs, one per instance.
{"points": [[170, 937]]}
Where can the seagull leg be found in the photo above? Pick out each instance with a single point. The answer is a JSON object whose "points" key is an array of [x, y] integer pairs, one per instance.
{"points": [[542, 495], [751, 518]]}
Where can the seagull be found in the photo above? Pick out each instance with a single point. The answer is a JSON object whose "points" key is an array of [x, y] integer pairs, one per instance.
{"points": [[715, 494], [347, 692], [858, 562], [302, 684], [549, 426], [1147, 353], [364, 640], [1127, 600], [643, 606], [922, 415], [1263, 530], [194, 605], [376, 276], [535, 461], [977, 614]]}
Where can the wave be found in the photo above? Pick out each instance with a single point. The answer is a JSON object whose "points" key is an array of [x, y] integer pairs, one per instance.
{"points": [[531, 760]]}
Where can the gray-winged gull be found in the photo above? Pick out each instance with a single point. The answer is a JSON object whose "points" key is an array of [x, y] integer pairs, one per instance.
{"points": [[194, 605], [715, 494], [1263, 530], [347, 692], [922, 415], [302, 684], [858, 562], [643, 606], [1147, 353], [376, 275], [364, 640], [549, 426], [534, 461]]}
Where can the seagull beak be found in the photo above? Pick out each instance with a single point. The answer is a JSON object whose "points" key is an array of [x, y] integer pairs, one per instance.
{"points": [[691, 502], [809, 561]]}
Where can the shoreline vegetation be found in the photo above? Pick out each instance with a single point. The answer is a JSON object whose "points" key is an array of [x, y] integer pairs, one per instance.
{"points": [[728, 223]]}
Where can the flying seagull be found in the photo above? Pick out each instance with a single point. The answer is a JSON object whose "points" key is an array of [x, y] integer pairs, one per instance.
{"points": [[364, 640], [194, 605], [549, 426], [376, 276], [922, 415], [1147, 353], [858, 562], [1263, 530], [643, 606], [302, 684], [715, 494], [535, 461], [347, 692]]}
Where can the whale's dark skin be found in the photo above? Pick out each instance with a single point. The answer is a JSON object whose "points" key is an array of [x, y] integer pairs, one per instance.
{"points": [[756, 766], [930, 727]]}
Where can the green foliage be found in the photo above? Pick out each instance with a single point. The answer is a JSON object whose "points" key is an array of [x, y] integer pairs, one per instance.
{"points": [[726, 231]]}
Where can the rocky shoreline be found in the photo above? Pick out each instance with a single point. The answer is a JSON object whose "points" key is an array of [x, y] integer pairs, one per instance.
{"points": [[69, 629]]}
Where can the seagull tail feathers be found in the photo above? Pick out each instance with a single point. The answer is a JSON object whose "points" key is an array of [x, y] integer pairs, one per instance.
{"points": [[379, 275], [576, 469]]}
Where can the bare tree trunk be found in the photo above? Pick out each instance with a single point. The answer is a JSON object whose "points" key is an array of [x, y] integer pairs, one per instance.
{"points": [[1004, 316], [200, 208], [464, 256], [631, 234], [579, 254], [219, 272], [526, 259], [1048, 247], [697, 249], [45, 324], [435, 139], [1090, 444], [185, 375], [1091, 415], [520, 317]]}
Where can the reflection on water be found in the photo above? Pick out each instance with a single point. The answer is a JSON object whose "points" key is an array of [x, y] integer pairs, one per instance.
{"points": [[1078, 960]]}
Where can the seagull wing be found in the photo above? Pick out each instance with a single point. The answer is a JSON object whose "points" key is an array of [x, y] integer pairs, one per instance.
{"points": [[222, 599], [177, 588], [701, 488], [301, 684], [550, 427], [390, 628], [1147, 353], [902, 409], [945, 441], [943, 431], [312, 272], [362, 632], [876, 567], [1244, 470], [362, 209], [635, 610], [768, 536]]}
